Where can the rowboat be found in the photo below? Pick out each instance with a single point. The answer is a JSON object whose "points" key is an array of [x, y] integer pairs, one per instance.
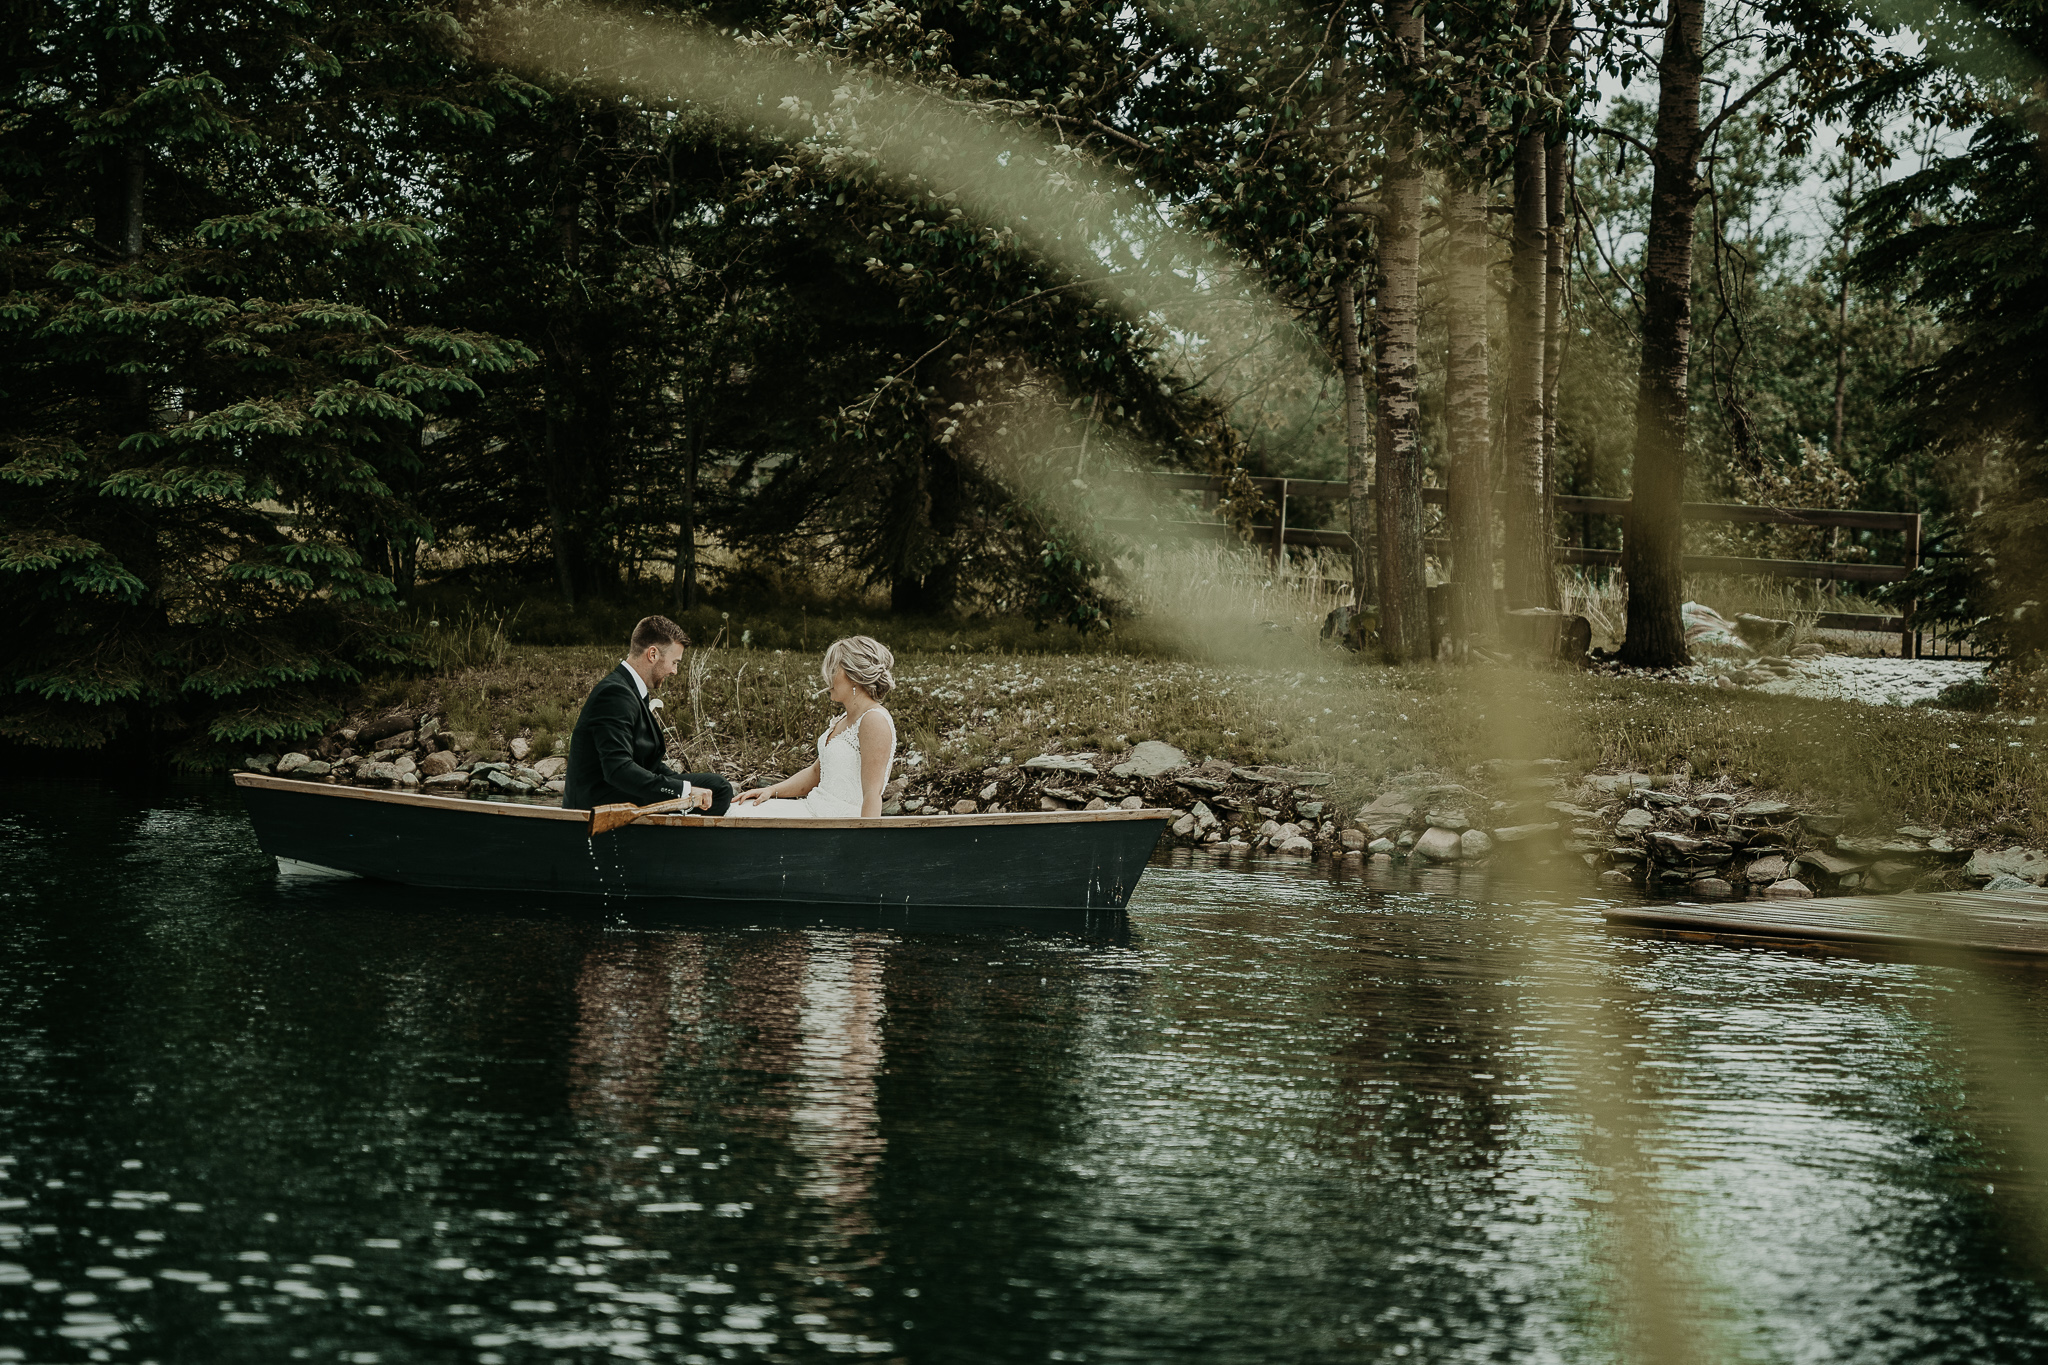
{"points": [[1033, 860]]}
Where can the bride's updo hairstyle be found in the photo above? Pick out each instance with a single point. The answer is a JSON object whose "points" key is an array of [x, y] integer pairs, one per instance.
{"points": [[867, 661]]}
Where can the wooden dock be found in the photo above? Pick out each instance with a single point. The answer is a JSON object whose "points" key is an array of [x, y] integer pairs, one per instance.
{"points": [[2001, 923]]}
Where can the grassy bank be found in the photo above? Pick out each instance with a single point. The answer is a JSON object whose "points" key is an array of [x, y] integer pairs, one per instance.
{"points": [[754, 712]]}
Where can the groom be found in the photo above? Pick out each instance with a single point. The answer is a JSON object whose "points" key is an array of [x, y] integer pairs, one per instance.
{"points": [[616, 752]]}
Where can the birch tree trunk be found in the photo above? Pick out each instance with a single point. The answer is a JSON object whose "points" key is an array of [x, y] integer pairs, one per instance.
{"points": [[1404, 592], [1357, 441], [1528, 574], [1651, 555], [1468, 412], [1553, 338]]}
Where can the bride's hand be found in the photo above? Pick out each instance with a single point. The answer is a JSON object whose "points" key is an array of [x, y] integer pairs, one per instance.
{"points": [[754, 797]]}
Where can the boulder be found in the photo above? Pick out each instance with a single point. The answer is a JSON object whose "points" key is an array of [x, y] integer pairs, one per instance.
{"points": [[1391, 807], [1475, 843], [1671, 848], [405, 763], [1382, 848], [429, 727], [1096, 803], [1614, 878], [1057, 763], [1712, 886], [1309, 810], [1205, 819], [316, 767], [448, 781], [1440, 846], [988, 793], [1151, 758], [964, 808], [1833, 864], [1822, 826], [552, 768], [404, 739], [1881, 847], [2005, 881], [1352, 839], [1788, 888], [1195, 782], [1448, 819], [1297, 845], [383, 727], [1889, 875], [291, 763], [509, 782], [1634, 824], [260, 763], [1626, 782], [1131, 803], [520, 747], [1184, 826], [2029, 865], [381, 772], [1282, 833], [1761, 632], [1522, 834], [1767, 870]]}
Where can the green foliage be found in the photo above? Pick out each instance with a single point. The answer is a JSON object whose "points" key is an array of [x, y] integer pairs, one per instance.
{"points": [[207, 394], [1965, 234]]}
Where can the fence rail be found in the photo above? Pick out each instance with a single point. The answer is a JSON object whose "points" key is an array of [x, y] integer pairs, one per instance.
{"points": [[1279, 534]]}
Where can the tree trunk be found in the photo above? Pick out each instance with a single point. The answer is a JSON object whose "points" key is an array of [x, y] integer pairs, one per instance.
{"points": [[1404, 596], [1651, 556], [686, 519], [1842, 321], [1468, 419], [1553, 348], [1357, 441], [1528, 576]]}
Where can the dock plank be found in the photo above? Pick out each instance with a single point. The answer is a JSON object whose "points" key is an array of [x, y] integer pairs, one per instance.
{"points": [[2003, 922]]}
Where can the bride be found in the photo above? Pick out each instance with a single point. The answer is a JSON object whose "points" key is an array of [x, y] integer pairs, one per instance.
{"points": [[855, 751]]}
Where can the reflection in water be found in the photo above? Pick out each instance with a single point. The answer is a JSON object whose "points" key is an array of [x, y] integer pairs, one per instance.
{"points": [[1281, 1118]]}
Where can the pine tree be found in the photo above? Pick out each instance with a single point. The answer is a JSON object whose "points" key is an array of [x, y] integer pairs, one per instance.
{"points": [[210, 392], [1968, 236]]}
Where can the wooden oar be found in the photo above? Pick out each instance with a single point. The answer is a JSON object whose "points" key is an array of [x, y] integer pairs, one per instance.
{"points": [[603, 819]]}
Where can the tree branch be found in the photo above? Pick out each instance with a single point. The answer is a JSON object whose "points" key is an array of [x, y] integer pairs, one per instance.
{"points": [[1099, 127], [1619, 136], [1728, 111]]}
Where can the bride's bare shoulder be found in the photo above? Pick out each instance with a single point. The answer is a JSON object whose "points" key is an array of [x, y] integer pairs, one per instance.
{"points": [[887, 721]]}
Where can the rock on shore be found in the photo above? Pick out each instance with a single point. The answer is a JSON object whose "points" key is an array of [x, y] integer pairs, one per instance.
{"points": [[1664, 833], [408, 752]]}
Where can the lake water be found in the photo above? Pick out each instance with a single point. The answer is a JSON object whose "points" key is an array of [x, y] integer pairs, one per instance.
{"points": [[1272, 1118]]}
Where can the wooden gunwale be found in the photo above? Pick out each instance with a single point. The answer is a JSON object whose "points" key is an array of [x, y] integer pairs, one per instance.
{"points": [[474, 806]]}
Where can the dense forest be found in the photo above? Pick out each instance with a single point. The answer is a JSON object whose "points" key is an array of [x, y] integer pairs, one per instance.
{"points": [[308, 301]]}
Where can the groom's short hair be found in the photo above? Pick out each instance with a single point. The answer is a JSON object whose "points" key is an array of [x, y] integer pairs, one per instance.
{"points": [[657, 630]]}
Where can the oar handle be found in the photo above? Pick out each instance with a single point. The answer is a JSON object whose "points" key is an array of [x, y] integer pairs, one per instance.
{"points": [[604, 819]]}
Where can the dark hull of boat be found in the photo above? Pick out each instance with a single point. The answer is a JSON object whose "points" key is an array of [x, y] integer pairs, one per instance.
{"points": [[1088, 861]]}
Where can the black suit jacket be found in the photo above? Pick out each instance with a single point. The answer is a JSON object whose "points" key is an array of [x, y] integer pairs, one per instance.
{"points": [[616, 751]]}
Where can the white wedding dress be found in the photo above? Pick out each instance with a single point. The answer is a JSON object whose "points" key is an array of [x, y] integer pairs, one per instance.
{"points": [[838, 793]]}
